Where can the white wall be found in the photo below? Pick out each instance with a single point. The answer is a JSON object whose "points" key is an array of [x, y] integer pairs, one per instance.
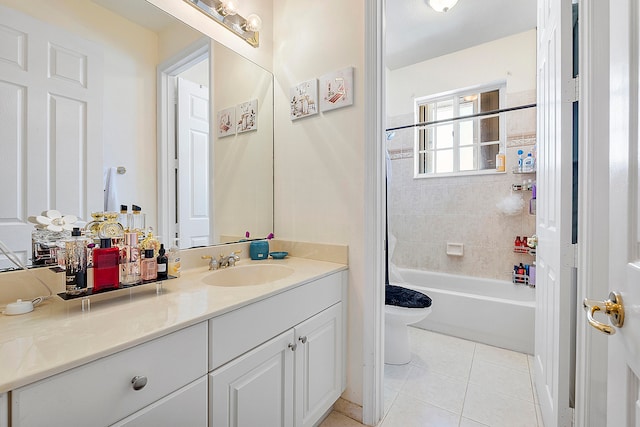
{"points": [[243, 168], [507, 59], [319, 160]]}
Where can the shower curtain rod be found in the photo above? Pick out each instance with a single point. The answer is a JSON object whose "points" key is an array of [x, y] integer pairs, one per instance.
{"points": [[486, 113]]}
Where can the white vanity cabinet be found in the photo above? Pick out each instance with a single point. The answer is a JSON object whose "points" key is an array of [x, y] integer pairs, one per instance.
{"points": [[283, 361], [145, 382], [4, 410]]}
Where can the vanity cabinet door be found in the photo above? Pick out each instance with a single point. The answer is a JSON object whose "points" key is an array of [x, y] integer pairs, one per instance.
{"points": [[185, 407], [4, 410], [256, 389], [318, 365]]}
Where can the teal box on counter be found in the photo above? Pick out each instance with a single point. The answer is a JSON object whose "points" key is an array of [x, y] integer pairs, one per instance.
{"points": [[259, 249]]}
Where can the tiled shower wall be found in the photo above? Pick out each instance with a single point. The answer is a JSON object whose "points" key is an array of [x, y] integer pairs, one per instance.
{"points": [[426, 213]]}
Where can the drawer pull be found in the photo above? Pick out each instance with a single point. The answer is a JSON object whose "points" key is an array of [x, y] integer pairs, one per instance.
{"points": [[293, 346], [139, 381], [303, 340]]}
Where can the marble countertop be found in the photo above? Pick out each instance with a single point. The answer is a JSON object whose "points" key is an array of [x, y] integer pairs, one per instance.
{"points": [[58, 335]]}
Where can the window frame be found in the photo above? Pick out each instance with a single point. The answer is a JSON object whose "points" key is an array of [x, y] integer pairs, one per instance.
{"points": [[454, 96]]}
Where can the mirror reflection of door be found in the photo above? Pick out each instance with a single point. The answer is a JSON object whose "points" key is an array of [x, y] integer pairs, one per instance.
{"points": [[50, 126], [192, 154]]}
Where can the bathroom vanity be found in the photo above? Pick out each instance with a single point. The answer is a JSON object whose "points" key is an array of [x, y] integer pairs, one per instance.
{"points": [[194, 354]]}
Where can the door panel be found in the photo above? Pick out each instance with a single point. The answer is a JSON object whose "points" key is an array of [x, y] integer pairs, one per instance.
{"points": [[193, 164], [256, 389], [623, 404], [554, 259]]}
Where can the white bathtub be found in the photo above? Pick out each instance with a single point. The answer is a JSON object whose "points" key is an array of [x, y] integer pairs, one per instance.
{"points": [[492, 312]]}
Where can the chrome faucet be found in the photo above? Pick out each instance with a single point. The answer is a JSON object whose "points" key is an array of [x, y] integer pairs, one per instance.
{"points": [[223, 261], [213, 262], [229, 260]]}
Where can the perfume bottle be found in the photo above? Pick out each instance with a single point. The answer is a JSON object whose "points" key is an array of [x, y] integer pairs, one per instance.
{"points": [[130, 260], [76, 263], [110, 228], [162, 261], [106, 266], [123, 217], [136, 220], [92, 228], [149, 266]]}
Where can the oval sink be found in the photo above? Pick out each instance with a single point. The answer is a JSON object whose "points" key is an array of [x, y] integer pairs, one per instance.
{"points": [[248, 275]]}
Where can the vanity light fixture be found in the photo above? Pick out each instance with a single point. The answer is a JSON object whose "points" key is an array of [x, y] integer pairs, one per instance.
{"points": [[227, 7], [225, 13], [442, 5]]}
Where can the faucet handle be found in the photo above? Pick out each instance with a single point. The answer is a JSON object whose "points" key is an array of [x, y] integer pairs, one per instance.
{"points": [[213, 262]]}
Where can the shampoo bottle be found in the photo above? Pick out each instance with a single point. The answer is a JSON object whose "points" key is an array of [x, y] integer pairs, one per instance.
{"points": [[520, 160], [533, 201], [500, 162], [528, 163]]}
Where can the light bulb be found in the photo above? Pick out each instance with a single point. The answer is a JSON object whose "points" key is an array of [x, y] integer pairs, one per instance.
{"points": [[442, 5], [254, 23], [228, 7]]}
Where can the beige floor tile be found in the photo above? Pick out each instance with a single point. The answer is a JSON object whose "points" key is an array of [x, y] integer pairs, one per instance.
{"points": [[497, 410], [389, 398], [441, 354], [396, 375], [336, 419], [502, 357], [440, 390], [466, 422], [409, 412], [510, 382]]}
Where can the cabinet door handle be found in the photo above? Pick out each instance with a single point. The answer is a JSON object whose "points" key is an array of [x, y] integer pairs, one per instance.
{"points": [[303, 339], [293, 346], [139, 381]]}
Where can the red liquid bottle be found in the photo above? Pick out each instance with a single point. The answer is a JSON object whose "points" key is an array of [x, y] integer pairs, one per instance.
{"points": [[106, 266]]}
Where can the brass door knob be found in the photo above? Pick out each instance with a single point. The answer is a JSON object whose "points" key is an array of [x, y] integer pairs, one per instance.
{"points": [[612, 307]]}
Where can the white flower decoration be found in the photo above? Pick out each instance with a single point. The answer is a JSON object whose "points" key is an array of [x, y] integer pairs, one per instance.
{"points": [[53, 220]]}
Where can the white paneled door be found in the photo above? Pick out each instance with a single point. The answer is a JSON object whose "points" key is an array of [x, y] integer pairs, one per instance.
{"points": [[193, 197], [623, 385], [50, 126], [554, 260]]}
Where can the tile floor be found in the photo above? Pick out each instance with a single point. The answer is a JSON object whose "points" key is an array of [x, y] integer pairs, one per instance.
{"points": [[451, 382]]}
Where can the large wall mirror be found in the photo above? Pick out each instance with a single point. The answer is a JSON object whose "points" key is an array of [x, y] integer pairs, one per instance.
{"points": [[113, 102]]}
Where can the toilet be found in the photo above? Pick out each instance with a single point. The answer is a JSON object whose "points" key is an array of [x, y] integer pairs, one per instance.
{"points": [[397, 350]]}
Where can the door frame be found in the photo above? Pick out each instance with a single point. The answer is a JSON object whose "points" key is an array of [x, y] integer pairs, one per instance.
{"points": [[374, 218], [166, 131], [593, 210]]}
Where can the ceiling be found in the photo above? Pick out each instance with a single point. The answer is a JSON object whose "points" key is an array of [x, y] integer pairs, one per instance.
{"points": [[415, 32]]}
